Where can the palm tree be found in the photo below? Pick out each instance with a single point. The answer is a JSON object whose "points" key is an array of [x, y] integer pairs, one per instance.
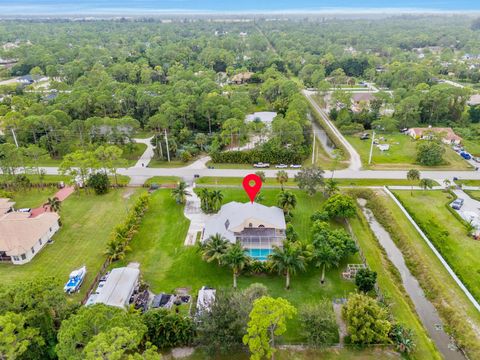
{"points": [[287, 260], [287, 201], [180, 192], [237, 259], [54, 204], [413, 175], [427, 183], [204, 195], [331, 187], [214, 248], [282, 177], [216, 198], [447, 183], [116, 250]]}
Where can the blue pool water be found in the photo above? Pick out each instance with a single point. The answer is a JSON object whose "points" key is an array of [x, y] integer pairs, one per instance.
{"points": [[259, 254]]}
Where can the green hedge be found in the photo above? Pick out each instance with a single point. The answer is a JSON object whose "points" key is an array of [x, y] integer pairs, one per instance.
{"points": [[279, 156]]}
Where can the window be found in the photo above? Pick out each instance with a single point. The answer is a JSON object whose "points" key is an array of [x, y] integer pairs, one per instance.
{"points": [[40, 241], [33, 250], [50, 229], [15, 258], [250, 225], [23, 256]]}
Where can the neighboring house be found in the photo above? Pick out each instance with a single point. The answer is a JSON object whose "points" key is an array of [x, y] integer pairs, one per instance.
{"points": [[474, 100], [29, 79], [242, 78], [361, 101], [448, 136], [6, 205], [22, 236], [264, 116], [257, 227], [118, 288]]}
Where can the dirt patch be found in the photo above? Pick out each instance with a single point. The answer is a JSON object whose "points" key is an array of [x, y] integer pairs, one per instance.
{"points": [[128, 192]]}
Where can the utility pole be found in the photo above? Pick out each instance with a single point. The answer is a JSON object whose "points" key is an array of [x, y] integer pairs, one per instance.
{"points": [[371, 148], [313, 147], [166, 142], [14, 137]]}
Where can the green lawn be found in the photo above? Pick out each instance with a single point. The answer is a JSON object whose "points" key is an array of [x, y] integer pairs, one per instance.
{"points": [[390, 284], [154, 163], [474, 194], [87, 221], [447, 233], [401, 155], [132, 155], [162, 180], [468, 182], [472, 146], [272, 182], [166, 264], [33, 198]]}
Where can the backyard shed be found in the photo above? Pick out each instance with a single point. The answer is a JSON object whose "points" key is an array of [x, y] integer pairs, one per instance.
{"points": [[119, 287]]}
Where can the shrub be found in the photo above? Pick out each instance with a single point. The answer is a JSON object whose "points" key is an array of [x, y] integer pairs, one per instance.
{"points": [[365, 280], [99, 182], [167, 329], [319, 324]]}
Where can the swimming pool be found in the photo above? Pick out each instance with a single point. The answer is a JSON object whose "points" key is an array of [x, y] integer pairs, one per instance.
{"points": [[259, 254]]}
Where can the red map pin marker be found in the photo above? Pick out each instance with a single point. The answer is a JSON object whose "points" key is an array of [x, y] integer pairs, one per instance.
{"points": [[252, 190]]}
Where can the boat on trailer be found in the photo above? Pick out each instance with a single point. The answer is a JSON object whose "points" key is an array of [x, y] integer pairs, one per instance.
{"points": [[75, 280]]}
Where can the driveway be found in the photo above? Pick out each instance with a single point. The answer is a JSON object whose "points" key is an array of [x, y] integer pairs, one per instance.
{"points": [[194, 213], [470, 210]]}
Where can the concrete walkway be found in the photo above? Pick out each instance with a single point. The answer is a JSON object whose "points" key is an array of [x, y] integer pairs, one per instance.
{"points": [[194, 213]]}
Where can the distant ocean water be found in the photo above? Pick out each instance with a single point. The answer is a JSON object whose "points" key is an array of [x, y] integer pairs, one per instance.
{"points": [[137, 7]]}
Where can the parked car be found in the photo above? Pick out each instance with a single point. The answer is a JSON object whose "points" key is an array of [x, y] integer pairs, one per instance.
{"points": [[281, 166], [365, 136], [457, 204], [295, 166], [261, 165], [25, 210], [465, 155]]}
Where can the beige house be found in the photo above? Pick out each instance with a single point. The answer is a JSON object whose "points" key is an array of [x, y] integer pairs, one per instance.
{"points": [[22, 236], [448, 135], [242, 78]]}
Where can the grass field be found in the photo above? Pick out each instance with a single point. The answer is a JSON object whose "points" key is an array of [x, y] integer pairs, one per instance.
{"points": [[166, 264], [472, 146], [165, 164], [133, 155], [460, 316], [33, 198], [447, 233], [51, 179], [162, 180], [87, 221], [401, 154], [468, 182], [272, 182]]}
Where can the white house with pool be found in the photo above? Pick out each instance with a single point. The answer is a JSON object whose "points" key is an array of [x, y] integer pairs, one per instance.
{"points": [[257, 227]]}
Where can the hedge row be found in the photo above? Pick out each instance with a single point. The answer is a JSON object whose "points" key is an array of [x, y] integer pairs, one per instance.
{"points": [[280, 156]]}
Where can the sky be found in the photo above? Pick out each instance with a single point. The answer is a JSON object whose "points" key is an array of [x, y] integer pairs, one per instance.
{"points": [[135, 7]]}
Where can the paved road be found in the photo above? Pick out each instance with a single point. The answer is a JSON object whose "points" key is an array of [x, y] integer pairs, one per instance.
{"points": [[470, 210], [355, 162]]}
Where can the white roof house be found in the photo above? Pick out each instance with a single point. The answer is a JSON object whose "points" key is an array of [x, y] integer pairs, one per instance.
{"points": [[258, 228], [264, 116], [119, 287], [23, 236]]}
